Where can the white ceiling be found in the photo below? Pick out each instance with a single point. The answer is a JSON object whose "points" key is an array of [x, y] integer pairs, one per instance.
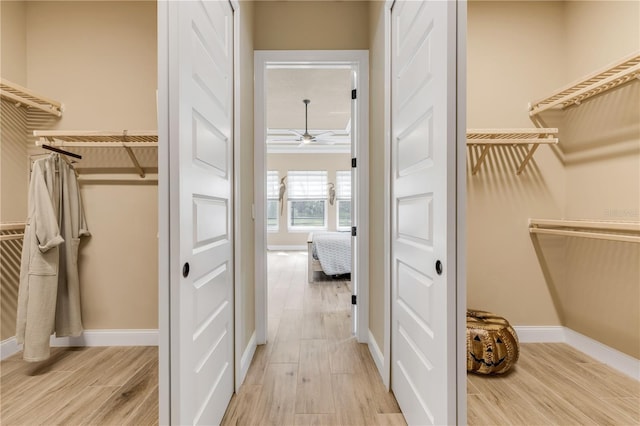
{"points": [[329, 91]]}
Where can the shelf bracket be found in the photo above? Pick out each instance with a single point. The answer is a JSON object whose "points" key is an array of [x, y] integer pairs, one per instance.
{"points": [[481, 159], [132, 156], [135, 162], [527, 158]]}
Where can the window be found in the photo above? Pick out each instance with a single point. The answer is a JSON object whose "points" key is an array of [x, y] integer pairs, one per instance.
{"points": [[273, 188], [307, 191], [343, 200]]}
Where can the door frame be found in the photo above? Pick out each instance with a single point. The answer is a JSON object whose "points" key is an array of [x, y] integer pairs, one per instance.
{"points": [[461, 211], [164, 256], [461, 203], [360, 60]]}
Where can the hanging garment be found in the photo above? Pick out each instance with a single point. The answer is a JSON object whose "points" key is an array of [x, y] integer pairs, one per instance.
{"points": [[38, 288], [72, 226], [49, 292]]}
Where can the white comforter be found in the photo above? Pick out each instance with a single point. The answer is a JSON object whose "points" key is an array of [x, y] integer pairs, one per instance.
{"points": [[333, 250]]}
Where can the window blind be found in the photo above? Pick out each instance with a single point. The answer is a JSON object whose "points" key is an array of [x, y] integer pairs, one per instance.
{"points": [[343, 184], [273, 184], [307, 185]]}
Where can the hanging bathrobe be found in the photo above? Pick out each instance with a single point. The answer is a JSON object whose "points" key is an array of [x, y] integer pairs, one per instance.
{"points": [[48, 296], [38, 288], [72, 226]]}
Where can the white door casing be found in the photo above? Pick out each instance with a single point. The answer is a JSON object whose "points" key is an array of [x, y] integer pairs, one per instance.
{"points": [[200, 132], [355, 206], [358, 60], [423, 190]]}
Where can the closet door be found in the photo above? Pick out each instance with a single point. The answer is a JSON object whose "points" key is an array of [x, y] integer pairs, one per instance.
{"points": [[200, 103], [423, 111]]}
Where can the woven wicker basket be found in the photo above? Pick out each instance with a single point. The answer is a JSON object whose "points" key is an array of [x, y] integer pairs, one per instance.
{"points": [[492, 344]]}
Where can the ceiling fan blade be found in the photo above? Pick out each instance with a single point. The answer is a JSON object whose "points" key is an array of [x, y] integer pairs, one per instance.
{"points": [[284, 139], [291, 142], [298, 134], [324, 142], [320, 135]]}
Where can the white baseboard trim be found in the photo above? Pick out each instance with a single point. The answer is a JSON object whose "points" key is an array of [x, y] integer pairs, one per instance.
{"points": [[8, 347], [247, 357], [540, 334], [118, 337], [612, 357], [287, 248], [558, 334], [376, 354]]}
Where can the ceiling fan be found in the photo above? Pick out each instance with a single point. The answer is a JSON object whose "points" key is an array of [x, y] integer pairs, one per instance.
{"points": [[307, 138]]}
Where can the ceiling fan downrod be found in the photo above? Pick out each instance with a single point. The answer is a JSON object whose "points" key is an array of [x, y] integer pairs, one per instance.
{"points": [[306, 138]]}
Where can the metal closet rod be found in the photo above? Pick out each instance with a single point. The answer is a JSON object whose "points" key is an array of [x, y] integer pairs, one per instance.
{"points": [[61, 151]]}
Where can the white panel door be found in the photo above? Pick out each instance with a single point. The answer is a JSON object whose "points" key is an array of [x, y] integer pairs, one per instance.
{"points": [[201, 123], [423, 113]]}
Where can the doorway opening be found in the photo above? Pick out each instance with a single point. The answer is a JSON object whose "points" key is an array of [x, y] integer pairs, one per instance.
{"points": [[296, 196], [308, 198]]}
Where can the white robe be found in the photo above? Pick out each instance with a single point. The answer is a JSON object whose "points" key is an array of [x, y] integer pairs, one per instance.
{"points": [[48, 295]]}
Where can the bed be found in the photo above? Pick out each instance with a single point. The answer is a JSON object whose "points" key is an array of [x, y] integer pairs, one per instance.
{"points": [[329, 252]]}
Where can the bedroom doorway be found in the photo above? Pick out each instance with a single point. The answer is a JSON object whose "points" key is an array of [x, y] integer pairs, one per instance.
{"points": [[310, 177]]}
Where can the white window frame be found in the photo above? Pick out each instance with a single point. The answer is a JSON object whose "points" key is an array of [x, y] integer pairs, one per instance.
{"points": [[290, 200], [292, 228], [342, 199]]}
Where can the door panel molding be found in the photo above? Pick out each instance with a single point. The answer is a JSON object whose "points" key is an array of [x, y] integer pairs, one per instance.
{"points": [[427, 121], [196, 210]]}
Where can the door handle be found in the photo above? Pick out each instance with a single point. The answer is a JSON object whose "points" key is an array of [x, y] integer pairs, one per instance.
{"points": [[439, 267], [185, 269]]}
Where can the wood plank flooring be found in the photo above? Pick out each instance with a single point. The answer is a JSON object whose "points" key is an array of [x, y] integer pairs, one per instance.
{"points": [[554, 384], [326, 378], [312, 371], [81, 386]]}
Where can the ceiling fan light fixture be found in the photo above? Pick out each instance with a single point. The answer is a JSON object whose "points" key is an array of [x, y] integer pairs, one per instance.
{"points": [[307, 138]]}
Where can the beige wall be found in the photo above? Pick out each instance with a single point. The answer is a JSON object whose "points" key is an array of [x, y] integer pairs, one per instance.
{"points": [[118, 263], [14, 173], [10, 251], [589, 286], [13, 43], [246, 281], [504, 74], [598, 33], [311, 25], [376, 166], [602, 146], [99, 60], [285, 162], [14, 164]]}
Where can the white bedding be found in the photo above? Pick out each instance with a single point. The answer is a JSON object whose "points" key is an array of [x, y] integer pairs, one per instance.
{"points": [[333, 250]]}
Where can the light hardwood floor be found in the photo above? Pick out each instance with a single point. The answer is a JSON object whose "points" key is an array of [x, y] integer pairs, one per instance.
{"points": [[81, 386], [312, 372], [554, 384]]}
